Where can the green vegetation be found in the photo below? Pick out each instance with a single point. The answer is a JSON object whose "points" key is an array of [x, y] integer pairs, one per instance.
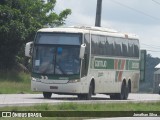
{"points": [[88, 107], [20, 19], [14, 82], [147, 85]]}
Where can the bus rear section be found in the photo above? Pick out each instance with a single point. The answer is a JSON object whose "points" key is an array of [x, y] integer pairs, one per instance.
{"points": [[115, 63]]}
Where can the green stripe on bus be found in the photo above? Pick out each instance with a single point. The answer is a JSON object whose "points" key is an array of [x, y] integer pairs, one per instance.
{"points": [[133, 65], [115, 64], [100, 63]]}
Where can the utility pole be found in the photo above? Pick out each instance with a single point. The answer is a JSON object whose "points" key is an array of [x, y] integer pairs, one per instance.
{"points": [[98, 13]]}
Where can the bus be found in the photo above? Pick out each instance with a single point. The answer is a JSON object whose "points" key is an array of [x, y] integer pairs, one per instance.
{"points": [[84, 61]]}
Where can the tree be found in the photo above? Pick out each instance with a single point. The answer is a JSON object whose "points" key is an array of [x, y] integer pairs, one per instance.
{"points": [[19, 21], [151, 62]]}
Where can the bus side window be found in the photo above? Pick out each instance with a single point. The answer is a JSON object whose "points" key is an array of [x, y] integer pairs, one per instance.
{"points": [[106, 47], [118, 47], [94, 45], [111, 49], [102, 41], [125, 49], [130, 49], [136, 49]]}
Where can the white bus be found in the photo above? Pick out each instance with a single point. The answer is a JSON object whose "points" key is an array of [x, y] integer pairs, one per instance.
{"points": [[84, 61]]}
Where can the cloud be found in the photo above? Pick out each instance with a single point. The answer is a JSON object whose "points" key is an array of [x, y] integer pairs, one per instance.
{"points": [[134, 16], [127, 11], [131, 11]]}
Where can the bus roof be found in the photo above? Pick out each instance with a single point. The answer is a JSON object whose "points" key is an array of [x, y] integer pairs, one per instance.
{"points": [[92, 30]]}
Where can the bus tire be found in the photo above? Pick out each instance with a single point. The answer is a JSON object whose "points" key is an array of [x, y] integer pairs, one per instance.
{"points": [[47, 95], [87, 96], [120, 96], [124, 93], [129, 86]]}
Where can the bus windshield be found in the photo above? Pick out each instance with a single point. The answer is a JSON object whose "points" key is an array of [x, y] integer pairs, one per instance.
{"points": [[56, 54], [58, 38], [62, 60]]}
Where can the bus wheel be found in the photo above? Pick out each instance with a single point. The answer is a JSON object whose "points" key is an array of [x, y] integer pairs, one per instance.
{"points": [[47, 95], [129, 86], [124, 93], [87, 96]]}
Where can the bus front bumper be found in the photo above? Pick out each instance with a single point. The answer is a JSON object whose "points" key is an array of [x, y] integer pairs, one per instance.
{"points": [[67, 88]]}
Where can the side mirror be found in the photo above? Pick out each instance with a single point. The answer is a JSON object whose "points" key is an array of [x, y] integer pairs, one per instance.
{"points": [[28, 49], [82, 51]]}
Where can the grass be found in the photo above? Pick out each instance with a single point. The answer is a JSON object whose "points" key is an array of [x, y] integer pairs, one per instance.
{"points": [[12, 82], [88, 107]]}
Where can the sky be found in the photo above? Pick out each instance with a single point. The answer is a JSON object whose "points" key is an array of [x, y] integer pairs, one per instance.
{"points": [[140, 17]]}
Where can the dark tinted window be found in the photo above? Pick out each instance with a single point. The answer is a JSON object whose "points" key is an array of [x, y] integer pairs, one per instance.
{"points": [[110, 47], [130, 48], [125, 48], [114, 46], [118, 46], [57, 38], [98, 45], [136, 49]]}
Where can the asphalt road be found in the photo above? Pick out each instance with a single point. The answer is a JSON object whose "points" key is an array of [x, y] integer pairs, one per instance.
{"points": [[31, 99]]}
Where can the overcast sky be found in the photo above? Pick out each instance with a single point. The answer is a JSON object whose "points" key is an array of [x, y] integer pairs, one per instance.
{"points": [[141, 17]]}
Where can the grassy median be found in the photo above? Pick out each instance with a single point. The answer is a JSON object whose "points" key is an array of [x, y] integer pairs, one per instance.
{"points": [[88, 107], [12, 82]]}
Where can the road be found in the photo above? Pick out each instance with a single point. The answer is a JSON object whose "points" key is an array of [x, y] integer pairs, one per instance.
{"points": [[31, 99]]}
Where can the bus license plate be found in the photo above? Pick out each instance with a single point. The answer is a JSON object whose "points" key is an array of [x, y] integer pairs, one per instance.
{"points": [[53, 87]]}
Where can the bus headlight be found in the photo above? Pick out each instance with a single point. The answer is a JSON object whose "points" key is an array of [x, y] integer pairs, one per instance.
{"points": [[35, 79], [74, 81]]}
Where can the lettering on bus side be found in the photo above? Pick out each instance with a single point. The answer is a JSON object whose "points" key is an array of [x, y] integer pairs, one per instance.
{"points": [[135, 65], [100, 64]]}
